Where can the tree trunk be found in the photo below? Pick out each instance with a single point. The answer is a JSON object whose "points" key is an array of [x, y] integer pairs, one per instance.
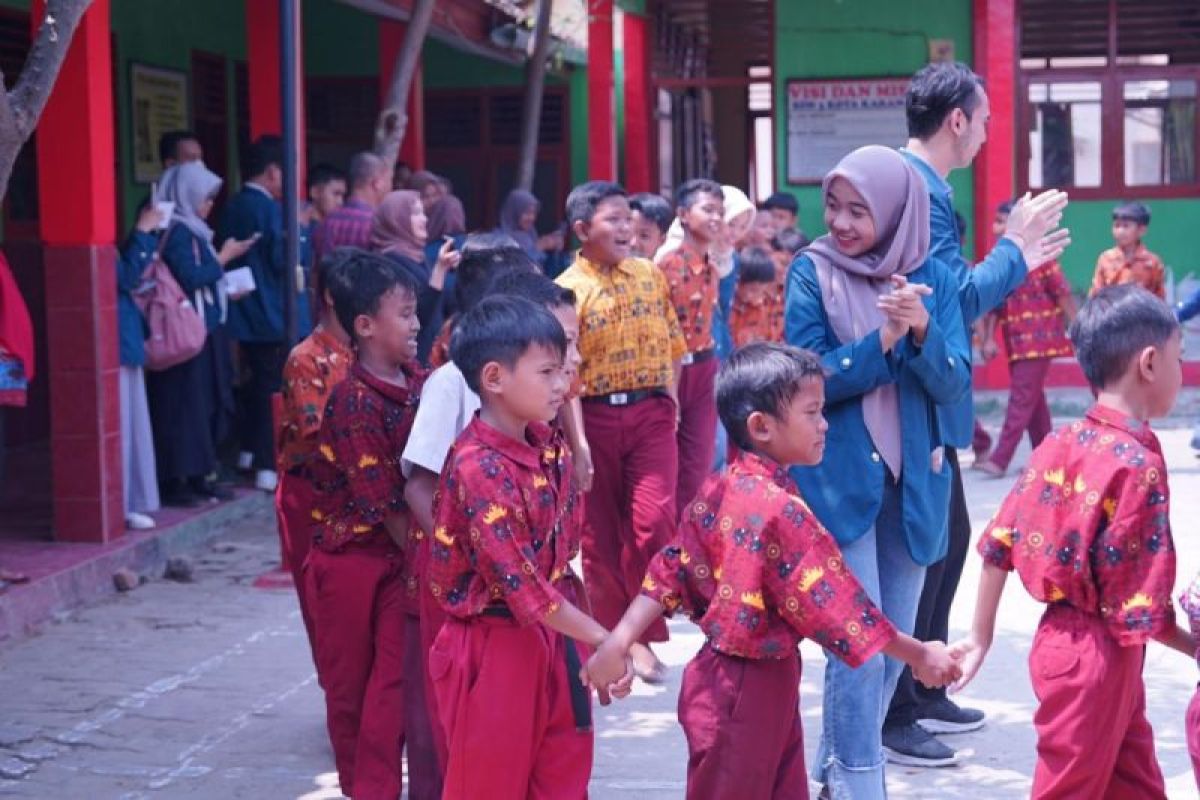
{"points": [[393, 118], [21, 108], [535, 82]]}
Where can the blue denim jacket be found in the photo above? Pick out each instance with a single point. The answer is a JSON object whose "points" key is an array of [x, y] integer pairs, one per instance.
{"points": [[845, 490], [980, 290]]}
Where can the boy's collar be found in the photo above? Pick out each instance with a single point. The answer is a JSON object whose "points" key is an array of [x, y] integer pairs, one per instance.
{"points": [[596, 266], [527, 453], [397, 394], [1113, 418], [762, 466]]}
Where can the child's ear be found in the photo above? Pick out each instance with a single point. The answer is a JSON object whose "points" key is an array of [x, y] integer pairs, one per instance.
{"points": [[1147, 363], [580, 229], [364, 326], [759, 426], [491, 377]]}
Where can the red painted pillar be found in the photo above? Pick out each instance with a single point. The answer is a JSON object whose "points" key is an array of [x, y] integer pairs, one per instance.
{"points": [[602, 153], [995, 27], [637, 104], [77, 205], [391, 39], [262, 64]]}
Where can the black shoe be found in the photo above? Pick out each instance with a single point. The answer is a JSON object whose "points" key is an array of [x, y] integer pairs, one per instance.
{"points": [[180, 498], [211, 490], [945, 716], [913, 746]]}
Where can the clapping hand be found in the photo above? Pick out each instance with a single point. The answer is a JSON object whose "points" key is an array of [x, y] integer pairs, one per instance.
{"points": [[905, 310]]}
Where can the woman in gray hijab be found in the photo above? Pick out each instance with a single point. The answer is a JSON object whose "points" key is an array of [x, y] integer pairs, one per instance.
{"points": [[885, 319], [188, 402]]}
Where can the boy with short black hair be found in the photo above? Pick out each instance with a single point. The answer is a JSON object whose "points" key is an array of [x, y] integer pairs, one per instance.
{"points": [[631, 344], [1130, 261], [694, 281], [652, 217], [785, 210], [753, 567], [756, 315], [326, 191], [356, 568], [505, 665], [1087, 528]]}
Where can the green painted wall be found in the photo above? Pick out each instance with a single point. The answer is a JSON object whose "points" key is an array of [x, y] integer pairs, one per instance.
{"points": [[339, 40], [860, 38], [1172, 235]]}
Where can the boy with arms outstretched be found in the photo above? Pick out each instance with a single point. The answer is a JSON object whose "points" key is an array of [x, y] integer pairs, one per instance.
{"points": [[757, 572]]}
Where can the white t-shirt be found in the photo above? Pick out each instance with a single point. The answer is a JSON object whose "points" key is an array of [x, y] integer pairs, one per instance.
{"points": [[446, 408]]}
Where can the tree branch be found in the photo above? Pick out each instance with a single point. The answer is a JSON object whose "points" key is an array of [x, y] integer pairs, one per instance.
{"points": [[393, 117], [531, 111]]}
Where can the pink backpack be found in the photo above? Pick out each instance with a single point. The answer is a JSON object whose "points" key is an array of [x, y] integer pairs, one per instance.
{"points": [[177, 330]]}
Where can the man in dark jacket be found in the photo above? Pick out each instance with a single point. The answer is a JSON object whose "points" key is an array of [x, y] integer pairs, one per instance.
{"points": [[257, 320]]}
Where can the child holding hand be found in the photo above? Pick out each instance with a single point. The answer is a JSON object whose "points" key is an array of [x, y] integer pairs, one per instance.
{"points": [[757, 572]]}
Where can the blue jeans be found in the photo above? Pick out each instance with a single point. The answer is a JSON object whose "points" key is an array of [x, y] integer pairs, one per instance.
{"points": [[850, 757]]}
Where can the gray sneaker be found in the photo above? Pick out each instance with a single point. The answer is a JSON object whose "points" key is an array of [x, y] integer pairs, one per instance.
{"points": [[913, 746], [945, 716]]}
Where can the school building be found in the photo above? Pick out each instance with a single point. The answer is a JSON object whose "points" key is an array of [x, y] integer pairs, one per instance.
{"points": [[1095, 96]]}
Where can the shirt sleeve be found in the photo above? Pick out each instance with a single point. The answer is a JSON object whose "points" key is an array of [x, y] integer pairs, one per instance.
{"points": [[304, 394], [816, 594], [360, 448], [1158, 280], [437, 424], [1100, 279], [494, 530], [1133, 558], [192, 263], [668, 577], [996, 544]]}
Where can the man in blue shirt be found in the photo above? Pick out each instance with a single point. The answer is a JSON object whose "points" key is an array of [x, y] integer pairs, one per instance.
{"points": [[947, 111], [257, 320]]}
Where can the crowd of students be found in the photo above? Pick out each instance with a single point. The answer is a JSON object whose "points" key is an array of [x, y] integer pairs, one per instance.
{"points": [[458, 428]]}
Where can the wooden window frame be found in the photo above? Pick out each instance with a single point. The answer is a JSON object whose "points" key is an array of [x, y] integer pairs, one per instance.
{"points": [[1111, 78]]}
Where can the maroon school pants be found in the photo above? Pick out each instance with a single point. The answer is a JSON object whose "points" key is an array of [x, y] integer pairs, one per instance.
{"points": [[358, 603], [420, 737], [294, 502], [630, 511], [1193, 734], [432, 618], [1094, 740], [741, 717], [504, 698], [1027, 409], [697, 435]]}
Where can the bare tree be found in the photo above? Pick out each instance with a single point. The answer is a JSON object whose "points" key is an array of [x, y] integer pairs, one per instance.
{"points": [[21, 108], [393, 118], [535, 82]]}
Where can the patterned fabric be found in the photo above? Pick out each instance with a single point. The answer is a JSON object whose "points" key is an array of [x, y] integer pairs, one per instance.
{"points": [[507, 522], [629, 336], [761, 321], [1190, 600], [1032, 317], [14, 386], [357, 477], [348, 226], [313, 368], [1087, 524], [1145, 268], [757, 572], [694, 283]]}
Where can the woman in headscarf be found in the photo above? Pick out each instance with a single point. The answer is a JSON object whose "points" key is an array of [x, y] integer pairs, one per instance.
{"points": [[885, 319], [447, 222], [189, 402], [399, 231], [518, 216]]}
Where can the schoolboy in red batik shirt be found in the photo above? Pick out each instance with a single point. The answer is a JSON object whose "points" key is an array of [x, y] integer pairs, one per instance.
{"points": [[1087, 529], [507, 518], [694, 284], [757, 572], [355, 571]]}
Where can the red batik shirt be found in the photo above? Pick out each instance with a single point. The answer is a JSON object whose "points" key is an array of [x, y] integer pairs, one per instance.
{"points": [[693, 282], [1087, 524], [313, 368], [357, 474], [507, 520], [753, 567], [1032, 316]]}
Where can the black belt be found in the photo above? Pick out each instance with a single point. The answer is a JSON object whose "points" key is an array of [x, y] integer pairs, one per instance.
{"points": [[697, 357], [625, 398], [581, 701]]}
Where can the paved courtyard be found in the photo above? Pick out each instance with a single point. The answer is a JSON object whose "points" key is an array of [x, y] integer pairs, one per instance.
{"points": [[206, 690]]}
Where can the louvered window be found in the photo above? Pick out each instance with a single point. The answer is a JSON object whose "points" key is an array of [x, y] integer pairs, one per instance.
{"points": [[1109, 96]]}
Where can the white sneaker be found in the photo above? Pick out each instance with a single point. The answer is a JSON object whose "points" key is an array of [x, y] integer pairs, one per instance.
{"points": [[139, 522], [266, 480], [245, 460]]}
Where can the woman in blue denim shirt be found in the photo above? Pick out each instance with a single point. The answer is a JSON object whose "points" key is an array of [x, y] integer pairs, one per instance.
{"points": [[886, 321]]}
